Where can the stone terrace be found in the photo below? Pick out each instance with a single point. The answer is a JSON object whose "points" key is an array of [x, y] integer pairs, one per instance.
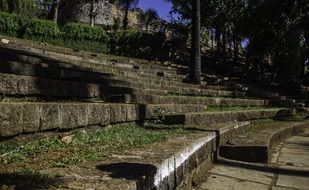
{"points": [[47, 88]]}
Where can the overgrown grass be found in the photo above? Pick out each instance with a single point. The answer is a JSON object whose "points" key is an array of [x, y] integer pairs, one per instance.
{"points": [[84, 145]]}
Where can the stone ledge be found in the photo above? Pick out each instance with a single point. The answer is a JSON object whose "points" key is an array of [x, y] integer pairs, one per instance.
{"points": [[30, 55], [17, 85], [157, 110], [19, 118], [221, 117], [165, 165], [257, 146], [219, 101]]}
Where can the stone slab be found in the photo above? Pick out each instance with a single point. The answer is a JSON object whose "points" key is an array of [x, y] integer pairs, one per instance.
{"points": [[243, 174], [221, 117], [218, 182], [293, 181]]}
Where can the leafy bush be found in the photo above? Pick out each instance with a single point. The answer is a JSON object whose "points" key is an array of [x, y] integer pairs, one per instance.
{"points": [[136, 44], [37, 28], [9, 24], [79, 31]]}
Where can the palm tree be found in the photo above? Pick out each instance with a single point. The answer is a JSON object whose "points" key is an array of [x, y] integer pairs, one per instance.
{"points": [[195, 67], [195, 57], [148, 16], [126, 5]]}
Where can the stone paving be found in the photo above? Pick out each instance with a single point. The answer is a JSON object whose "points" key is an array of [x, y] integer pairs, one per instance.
{"points": [[289, 169]]}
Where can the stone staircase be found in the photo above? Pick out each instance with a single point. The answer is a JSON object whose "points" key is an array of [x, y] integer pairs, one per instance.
{"points": [[52, 89], [33, 77]]}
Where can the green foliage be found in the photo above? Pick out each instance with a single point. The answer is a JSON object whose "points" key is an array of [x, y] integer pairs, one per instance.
{"points": [[136, 44], [25, 8], [42, 29], [79, 31], [9, 24]]}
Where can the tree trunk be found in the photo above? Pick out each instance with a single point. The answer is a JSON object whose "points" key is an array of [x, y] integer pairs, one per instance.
{"points": [[92, 13], [218, 42], [212, 42], [147, 26], [125, 18], [224, 39], [195, 66], [54, 10]]}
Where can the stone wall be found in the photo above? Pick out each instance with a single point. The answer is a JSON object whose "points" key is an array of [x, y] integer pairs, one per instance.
{"points": [[106, 14]]}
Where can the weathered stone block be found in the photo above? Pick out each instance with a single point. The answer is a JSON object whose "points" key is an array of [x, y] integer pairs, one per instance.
{"points": [[9, 84], [33, 86], [31, 117], [50, 117], [73, 115], [179, 174], [132, 112], [172, 181], [94, 113], [118, 113], [22, 84], [11, 119], [106, 114]]}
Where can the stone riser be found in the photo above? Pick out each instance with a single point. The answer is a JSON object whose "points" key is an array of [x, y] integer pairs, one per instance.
{"points": [[199, 100], [156, 111], [58, 51], [195, 91], [260, 153], [219, 117], [98, 65], [18, 118], [156, 81], [23, 86]]}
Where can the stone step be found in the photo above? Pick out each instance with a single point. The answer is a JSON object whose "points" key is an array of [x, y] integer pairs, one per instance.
{"points": [[207, 118], [81, 87], [156, 81], [25, 117], [120, 90], [185, 91], [73, 87], [169, 164], [256, 144], [153, 99], [156, 111], [32, 57], [36, 47], [141, 82], [48, 71]]}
